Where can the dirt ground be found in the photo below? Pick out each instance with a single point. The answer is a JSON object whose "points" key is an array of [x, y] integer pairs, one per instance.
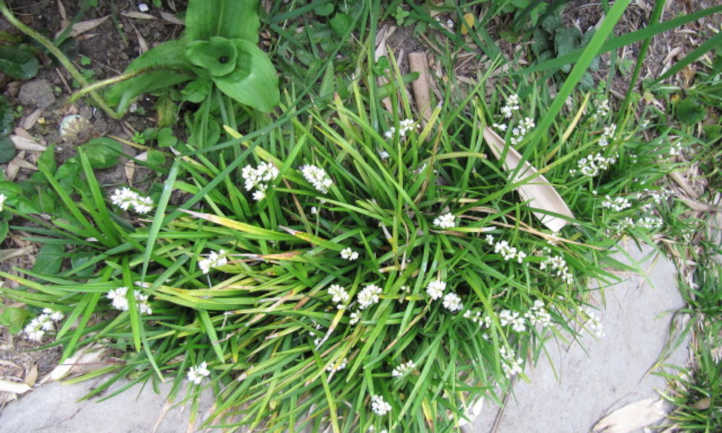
{"points": [[125, 34]]}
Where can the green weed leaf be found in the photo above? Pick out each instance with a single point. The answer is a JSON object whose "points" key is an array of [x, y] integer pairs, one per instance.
{"points": [[340, 23], [49, 259], [254, 81], [166, 66], [14, 318], [690, 111], [232, 19], [18, 63], [7, 149], [197, 90], [6, 117], [102, 152], [217, 55]]}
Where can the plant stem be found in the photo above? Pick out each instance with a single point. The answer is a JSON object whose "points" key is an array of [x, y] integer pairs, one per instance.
{"points": [[62, 58]]}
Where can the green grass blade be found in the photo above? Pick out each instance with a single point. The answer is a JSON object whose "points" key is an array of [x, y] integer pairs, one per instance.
{"points": [[104, 222], [710, 44], [158, 218], [211, 331]]}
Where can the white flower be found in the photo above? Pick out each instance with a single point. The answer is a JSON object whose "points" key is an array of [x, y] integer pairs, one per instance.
{"points": [[119, 300], [512, 104], [452, 302], [559, 267], [403, 369], [593, 324], [143, 7], [3, 197], [198, 372], [507, 317], [445, 221], [499, 126], [592, 165], [510, 363], [379, 405], [538, 315], [354, 318], [368, 296], [349, 254], [435, 289], [617, 204], [126, 199], [259, 178], [336, 366], [34, 330], [405, 126], [317, 177], [214, 260], [508, 252], [339, 294]]}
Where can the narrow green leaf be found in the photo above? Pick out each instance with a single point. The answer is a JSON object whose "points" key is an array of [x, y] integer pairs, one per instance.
{"points": [[158, 218], [211, 331]]}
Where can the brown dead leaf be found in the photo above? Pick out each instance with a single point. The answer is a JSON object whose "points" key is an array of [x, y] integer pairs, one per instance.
{"points": [[538, 192], [632, 417], [13, 387], [138, 15], [29, 121], [24, 143], [31, 376], [86, 358], [83, 26], [171, 18], [703, 404], [422, 92]]}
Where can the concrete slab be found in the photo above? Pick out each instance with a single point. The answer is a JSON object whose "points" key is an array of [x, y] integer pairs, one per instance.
{"points": [[612, 372], [608, 375], [54, 408]]}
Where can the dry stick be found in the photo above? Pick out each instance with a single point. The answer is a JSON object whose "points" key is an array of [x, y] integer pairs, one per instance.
{"points": [[422, 94]]}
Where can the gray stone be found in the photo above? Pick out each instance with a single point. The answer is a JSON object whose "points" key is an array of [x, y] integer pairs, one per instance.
{"points": [[37, 93], [590, 381]]}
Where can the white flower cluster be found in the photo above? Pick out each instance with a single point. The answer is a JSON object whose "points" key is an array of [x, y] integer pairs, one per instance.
{"points": [[336, 366], [592, 323], [538, 315], [317, 177], [36, 329], [607, 134], [214, 260], [380, 406], [518, 132], [119, 300], [602, 109], [499, 126], [349, 254], [511, 105], [476, 317], [125, 198], [403, 369], [617, 204], [368, 296], [340, 296], [508, 252], [650, 222], [452, 302], [509, 362], [198, 372], [259, 178], [558, 266], [3, 197], [513, 318], [354, 317], [592, 165], [435, 289], [405, 126], [676, 149], [445, 221]]}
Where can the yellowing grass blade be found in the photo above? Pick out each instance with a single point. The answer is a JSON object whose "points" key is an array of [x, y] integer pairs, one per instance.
{"points": [[538, 192]]}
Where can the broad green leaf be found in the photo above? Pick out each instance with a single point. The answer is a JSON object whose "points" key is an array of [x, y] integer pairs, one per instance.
{"points": [[18, 63], [324, 10], [49, 259], [197, 90], [166, 65], [690, 111], [14, 318], [6, 117], [166, 137], [340, 23], [102, 152], [218, 55], [7, 149], [254, 81], [47, 160], [232, 19]]}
